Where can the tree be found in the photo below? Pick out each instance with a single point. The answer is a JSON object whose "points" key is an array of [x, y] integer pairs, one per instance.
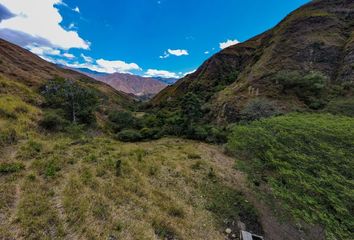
{"points": [[191, 107], [77, 102]]}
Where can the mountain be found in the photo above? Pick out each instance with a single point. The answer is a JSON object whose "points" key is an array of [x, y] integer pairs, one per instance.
{"points": [[168, 81], [21, 66], [141, 87], [305, 62], [133, 84]]}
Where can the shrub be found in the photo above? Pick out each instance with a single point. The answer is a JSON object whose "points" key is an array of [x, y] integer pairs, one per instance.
{"points": [[121, 120], [150, 133], [216, 135], [341, 107], [129, 135], [53, 121], [197, 132], [307, 159], [258, 108], [310, 88]]}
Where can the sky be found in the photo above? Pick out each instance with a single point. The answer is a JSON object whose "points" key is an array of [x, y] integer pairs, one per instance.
{"points": [[155, 38]]}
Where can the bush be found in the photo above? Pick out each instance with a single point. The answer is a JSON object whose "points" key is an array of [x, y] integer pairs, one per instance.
{"points": [[129, 135], [307, 159], [310, 88], [343, 107], [259, 108], [121, 120], [197, 132], [53, 121], [150, 133], [77, 102]]}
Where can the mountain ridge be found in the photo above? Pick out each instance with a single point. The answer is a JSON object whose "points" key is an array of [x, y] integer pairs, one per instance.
{"points": [[313, 38]]}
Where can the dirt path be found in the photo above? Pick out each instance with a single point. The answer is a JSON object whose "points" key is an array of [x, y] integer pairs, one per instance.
{"points": [[273, 228]]}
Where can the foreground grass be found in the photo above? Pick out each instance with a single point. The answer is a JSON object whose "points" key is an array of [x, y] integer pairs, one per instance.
{"points": [[308, 161], [74, 188]]}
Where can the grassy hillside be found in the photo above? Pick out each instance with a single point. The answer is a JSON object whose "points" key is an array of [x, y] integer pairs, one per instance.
{"points": [[315, 39], [77, 186], [305, 161]]}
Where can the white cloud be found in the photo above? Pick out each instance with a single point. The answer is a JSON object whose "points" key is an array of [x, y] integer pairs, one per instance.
{"points": [[206, 52], [178, 52], [187, 73], [116, 66], [228, 43], [87, 58], [165, 55], [43, 51], [72, 26], [40, 20], [160, 73], [69, 55], [77, 9]]}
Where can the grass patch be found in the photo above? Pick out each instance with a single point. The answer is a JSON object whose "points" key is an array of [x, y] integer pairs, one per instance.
{"points": [[307, 159], [6, 168]]}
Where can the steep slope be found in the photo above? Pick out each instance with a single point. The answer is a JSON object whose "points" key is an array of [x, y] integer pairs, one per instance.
{"points": [[317, 37], [24, 67], [136, 85]]}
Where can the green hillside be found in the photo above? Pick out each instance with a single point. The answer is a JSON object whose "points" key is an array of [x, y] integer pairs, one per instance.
{"points": [[312, 48]]}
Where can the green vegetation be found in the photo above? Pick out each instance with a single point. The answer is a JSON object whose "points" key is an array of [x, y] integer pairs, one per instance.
{"points": [[76, 102], [307, 159], [311, 88], [257, 109], [129, 135], [343, 107], [11, 167]]}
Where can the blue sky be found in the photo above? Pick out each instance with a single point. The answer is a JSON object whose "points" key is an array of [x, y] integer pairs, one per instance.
{"points": [[147, 37]]}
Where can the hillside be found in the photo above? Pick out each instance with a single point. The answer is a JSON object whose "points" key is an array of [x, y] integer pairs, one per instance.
{"points": [[260, 138], [22, 66], [313, 45]]}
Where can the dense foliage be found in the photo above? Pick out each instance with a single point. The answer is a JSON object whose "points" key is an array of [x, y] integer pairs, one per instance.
{"points": [[258, 108], [307, 159], [77, 103], [311, 88]]}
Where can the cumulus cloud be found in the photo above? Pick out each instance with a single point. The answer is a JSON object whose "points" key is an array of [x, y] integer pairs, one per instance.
{"points": [[160, 73], [178, 52], [116, 66], [44, 51], [100, 65], [28, 22], [228, 43]]}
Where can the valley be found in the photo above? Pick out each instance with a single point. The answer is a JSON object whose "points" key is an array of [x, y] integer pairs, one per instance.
{"points": [[260, 138]]}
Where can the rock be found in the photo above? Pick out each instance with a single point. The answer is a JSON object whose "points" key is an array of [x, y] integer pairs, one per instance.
{"points": [[241, 226], [228, 230]]}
